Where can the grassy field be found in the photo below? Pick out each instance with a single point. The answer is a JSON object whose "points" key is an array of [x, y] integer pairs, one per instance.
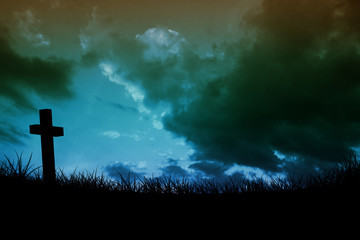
{"points": [[338, 186]]}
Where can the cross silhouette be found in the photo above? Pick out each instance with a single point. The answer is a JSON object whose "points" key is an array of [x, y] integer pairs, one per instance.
{"points": [[47, 131]]}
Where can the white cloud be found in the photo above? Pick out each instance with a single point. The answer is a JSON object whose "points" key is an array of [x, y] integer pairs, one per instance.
{"points": [[112, 134], [28, 26], [84, 41], [134, 136], [96, 34], [142, 164], [157, 124], [115, 134], [92, 32], [279, 155], [41, 40], [162, 43], [109, 70]]}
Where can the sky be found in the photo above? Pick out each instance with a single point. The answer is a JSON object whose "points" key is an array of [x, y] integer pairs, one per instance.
{"points": [[185, 88]]}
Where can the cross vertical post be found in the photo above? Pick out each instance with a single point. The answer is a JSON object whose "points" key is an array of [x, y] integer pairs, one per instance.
{"points": [[47, 131]]}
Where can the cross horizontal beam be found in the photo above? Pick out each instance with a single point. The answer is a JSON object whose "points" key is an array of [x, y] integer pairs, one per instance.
{"points": [[47, 131]]}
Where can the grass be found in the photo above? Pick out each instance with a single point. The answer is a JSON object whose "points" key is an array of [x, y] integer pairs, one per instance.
{"points": [[16, 169], [345, 176], [90, 194]]}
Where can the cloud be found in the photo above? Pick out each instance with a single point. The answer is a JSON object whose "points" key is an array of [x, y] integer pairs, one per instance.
{"points": [[210, 169], [115, 135], [112, 134], [295, 90], [215, 170], [157, 124], [161, 43], [28, 28], [22, 76], [10, 134], [287, 87], [48, 78], [93, 33], [134, 136], [110, 71], [174, 170], [126, 169], [84, 41]]}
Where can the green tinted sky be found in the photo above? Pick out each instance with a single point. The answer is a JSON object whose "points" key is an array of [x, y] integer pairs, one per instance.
{"points": [[183, 87]]}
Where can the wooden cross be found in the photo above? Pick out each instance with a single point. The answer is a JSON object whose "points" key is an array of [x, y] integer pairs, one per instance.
{"points": [[47, 132]]}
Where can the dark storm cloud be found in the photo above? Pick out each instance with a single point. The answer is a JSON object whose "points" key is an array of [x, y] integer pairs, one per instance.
{"points": [[211, 169], [124, 170], [290, 84], [174, 170], [294, 89], [48, 78], [21, 76], [10, 134]]}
